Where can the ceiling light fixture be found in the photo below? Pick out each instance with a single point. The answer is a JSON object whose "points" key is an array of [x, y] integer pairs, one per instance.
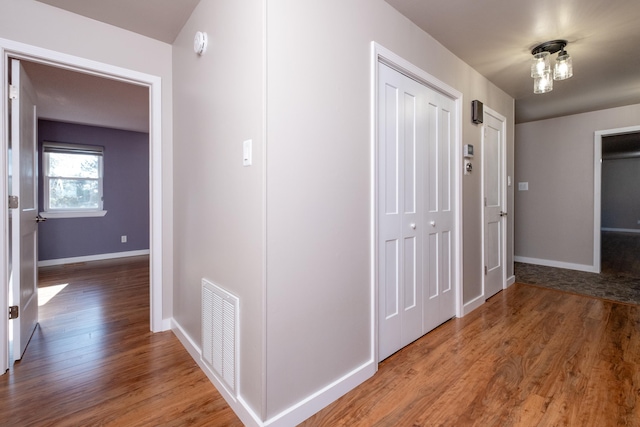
{"points": [[541, 65]]}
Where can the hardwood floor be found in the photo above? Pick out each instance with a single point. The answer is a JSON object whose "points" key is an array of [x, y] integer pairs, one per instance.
{"points": [[92, 361], [528, 357]]}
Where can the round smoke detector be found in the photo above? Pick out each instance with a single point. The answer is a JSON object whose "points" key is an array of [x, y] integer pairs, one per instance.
{"points": [[200, 43]]}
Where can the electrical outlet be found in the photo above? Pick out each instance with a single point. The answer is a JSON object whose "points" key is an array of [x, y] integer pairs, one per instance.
{"points": [[123, 239]]}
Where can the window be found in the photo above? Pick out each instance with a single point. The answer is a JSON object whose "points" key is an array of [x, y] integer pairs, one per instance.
{"points": [[73, 177]]}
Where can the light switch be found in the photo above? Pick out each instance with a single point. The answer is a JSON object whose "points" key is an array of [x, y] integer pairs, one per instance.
{"points": [[247, 152], [523, 186]]}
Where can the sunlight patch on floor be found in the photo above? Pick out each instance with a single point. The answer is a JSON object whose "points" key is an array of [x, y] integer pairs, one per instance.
{"points": [[45, 294]]}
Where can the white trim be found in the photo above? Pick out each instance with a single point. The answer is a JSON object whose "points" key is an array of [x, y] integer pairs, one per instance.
{"points": [[621, 230], [89, 258], [387, 57], [323, 397], [265, 146], [556, 264], [510, 281], [473, 304], [597, 186], [239, 407], [154, 83], [72, 214], [373, 196], [292, 415]]}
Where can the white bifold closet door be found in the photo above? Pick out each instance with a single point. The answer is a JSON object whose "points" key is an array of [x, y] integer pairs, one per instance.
{"points": [[416, 210]]}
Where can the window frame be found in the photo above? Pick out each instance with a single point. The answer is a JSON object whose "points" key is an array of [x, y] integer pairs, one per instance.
{"points": [[66, 148]]}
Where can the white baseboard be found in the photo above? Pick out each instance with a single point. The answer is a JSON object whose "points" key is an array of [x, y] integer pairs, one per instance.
{"points": [[473, 304], [322, 398], [511, 280], [556, 264], [622, 230], [99, 257], [296, 413], [166, 325], [239, 406]]}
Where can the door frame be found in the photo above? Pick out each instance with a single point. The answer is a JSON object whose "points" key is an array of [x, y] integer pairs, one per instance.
{"points": [[503, 193], [597, 188], [10, 48], [387, 57]]}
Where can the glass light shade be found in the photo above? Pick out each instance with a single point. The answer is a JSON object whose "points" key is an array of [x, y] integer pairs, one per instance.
{"points": [[540, 64], [543, 84], [564, 67]]}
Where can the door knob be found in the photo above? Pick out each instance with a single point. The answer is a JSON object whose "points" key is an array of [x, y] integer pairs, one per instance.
{"points": [[40, 219], [413, 225], [503, 213], [433, 223]]}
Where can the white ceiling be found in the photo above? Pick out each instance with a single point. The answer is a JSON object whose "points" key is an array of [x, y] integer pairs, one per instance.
{"points": [[69, 96], [80, 98], [493, 36], [159, 19]]}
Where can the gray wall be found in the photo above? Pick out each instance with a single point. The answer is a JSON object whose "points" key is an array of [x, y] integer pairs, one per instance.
{"points": [[621, 194], [290, 235], [125, 191], [554, 219]]}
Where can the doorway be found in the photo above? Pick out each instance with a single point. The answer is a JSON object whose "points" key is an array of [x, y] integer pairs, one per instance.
{"points": [[620, 210], [10, 49], [416, 184], [622, 146]]}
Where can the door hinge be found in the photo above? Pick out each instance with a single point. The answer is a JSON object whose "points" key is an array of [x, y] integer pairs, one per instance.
{"points": [[13, 312], [13, 202], [13, 92], [485, 202], [485, 270]]}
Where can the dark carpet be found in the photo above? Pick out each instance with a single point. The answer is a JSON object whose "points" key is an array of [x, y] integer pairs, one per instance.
{"points": [[618, 281]]}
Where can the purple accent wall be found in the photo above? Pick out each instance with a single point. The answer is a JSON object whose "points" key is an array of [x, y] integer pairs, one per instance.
{"points": [[125, 190]]}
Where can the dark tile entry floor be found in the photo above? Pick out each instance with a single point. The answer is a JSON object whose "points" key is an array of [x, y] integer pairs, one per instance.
{"points": [[618, 281]]}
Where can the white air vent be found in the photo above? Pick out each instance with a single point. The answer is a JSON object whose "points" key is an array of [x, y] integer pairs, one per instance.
{"points": [[219, 333]]}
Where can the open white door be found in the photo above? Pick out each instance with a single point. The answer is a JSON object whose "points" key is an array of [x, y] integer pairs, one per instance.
{"points": [[23, 219], [494, 195]]}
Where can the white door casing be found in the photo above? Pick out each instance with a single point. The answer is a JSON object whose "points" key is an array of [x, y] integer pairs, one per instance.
{"points": [[597, 188], [494, 198], [416, 210], [9, 48], [24, 184]]}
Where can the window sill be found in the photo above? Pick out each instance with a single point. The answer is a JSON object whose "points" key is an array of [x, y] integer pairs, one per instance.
{"points": [[73, 214]]}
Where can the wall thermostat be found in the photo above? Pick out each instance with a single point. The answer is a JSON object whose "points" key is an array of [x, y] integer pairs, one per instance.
{"points": [[468, 151]]}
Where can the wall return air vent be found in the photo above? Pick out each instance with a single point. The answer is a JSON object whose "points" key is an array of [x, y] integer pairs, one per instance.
{"points": [[219, 334]]}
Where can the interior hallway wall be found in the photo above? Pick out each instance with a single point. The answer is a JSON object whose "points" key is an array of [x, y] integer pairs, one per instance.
{"points": [[554, 219]]}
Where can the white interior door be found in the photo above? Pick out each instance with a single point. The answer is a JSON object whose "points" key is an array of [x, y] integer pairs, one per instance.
{"points": [[439, 212], [414, 189], [23, 183], [494, 212]]}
